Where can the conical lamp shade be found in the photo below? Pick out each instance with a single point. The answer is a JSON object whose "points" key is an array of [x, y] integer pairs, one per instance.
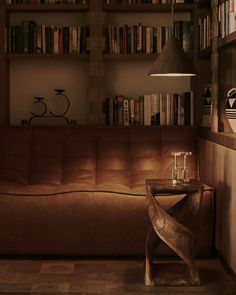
{"points": [[172, 61]]}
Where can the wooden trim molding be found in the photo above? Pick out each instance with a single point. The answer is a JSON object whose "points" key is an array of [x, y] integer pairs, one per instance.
{"points": [[222, 138]]}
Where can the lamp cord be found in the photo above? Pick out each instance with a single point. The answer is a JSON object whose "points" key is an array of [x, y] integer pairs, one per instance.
{"points": [[172, 18]]}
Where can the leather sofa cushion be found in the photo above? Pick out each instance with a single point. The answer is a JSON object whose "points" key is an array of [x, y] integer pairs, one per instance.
{"points": [[127, 156]]}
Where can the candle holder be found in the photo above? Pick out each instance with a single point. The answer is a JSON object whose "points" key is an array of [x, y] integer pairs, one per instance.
{"points": [[180, 174], [44, 114], [175, 172], [185, 170]]}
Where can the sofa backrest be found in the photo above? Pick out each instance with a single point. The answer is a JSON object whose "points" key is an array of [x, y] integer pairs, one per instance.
{"points": [[88, 154]]}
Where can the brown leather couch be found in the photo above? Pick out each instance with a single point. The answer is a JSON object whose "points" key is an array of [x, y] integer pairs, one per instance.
{"points": [[80, 190]]}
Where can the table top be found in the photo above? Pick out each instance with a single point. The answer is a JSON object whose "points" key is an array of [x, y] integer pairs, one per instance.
{"points": [[166, 186]]}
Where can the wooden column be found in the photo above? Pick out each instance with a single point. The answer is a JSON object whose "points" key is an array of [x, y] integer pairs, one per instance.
{"points": [[4, 70], [214, 66], [96, 45]]}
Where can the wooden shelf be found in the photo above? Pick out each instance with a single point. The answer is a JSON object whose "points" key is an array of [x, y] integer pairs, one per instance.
{"points": [[47, 7], [82, 56], [147, 8], [205, 53], [227, 41], [130, 56], [222, 138]]}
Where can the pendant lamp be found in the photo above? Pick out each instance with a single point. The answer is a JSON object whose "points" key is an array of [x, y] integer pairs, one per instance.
{"points": [[172, 61]]}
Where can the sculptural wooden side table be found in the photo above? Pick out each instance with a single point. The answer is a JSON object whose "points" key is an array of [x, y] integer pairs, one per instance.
{"points": [[170, 226]]}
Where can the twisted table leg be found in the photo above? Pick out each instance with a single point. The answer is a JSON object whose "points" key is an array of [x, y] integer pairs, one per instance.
{"points": [[152, 243], [166, 224]]}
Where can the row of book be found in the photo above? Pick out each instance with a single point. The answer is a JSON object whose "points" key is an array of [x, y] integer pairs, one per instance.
{"points": [[227, 17], [32, 38], [204, 32], [146, 39], [45, 1], [146, 1], [151, 109]]}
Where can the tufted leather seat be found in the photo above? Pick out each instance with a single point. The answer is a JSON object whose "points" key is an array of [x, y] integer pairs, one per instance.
{"points": [[80, 190]]}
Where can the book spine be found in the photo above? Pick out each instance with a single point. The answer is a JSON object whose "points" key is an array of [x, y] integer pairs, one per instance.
{"points": [[120, 106], [163, 109], [136, 112], [187, 108], [147, 109], [126, 111], [180, 109], [192, 108], [25, 36], [141, 109], [168, 110], [131, 107]]}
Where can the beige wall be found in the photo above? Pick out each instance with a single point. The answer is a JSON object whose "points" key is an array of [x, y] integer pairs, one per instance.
{"points": [[39, 77], [218, 168]]}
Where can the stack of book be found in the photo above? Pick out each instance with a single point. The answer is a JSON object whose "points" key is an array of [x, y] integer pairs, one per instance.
{"points": [[227, 17], [28, 37], [151, 109], [204, 32], [45, 1], [146, 39]]}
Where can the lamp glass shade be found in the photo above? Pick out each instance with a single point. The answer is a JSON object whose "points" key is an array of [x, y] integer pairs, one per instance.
{"points": [[172, 61]]}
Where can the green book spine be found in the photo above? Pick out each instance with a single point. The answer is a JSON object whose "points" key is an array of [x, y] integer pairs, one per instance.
{"points": [[25, 36]]}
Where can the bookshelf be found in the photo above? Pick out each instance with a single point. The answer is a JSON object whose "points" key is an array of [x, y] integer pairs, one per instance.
{"points": [[82, 56], [226, 58], [96, 63], [127, 8], [48, 8], [130, 56], [39, 67], [223, 74], [229, 40]]}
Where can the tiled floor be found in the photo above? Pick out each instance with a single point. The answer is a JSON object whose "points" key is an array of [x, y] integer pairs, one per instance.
{"points": [[101, 276]]}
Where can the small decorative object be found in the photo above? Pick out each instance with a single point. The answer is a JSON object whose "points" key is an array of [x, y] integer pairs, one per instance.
{"points": [[43, 114], [207, 107], [185, 171], [230, 109], [180, 174], [175, 173]]}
